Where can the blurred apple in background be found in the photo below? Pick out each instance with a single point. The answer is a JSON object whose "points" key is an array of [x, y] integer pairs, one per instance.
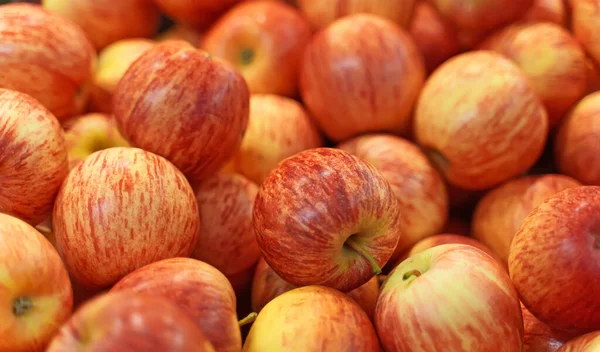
{"points": [[539, 337], [178, 102], [179, 32], [196, 14], [586, 343], [326, 217], [35, 291], [585, 24], [265, 41], [361, 74], [554, 11], [312, 319], [44, 56], [34, 157], [278, 128], [480, 121]]}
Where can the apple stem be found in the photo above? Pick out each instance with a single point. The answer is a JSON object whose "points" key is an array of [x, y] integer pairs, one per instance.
{"points": [[376, 268], [247, 56], [248, 320], [408, 274], [21, 305]]}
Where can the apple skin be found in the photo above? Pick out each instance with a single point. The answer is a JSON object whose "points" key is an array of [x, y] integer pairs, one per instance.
{"points": [[361, 74], [33, 273], [407, 320], [589, 342], [265, 41], [30, 136], [199, 289], [125, 321], [312, 319], [120, 209], [576, 146], [310, 210], [179, 32], [539, 337], [593, 75], [554, 11], [45, 56], [547, 53], [419, 187], [480, 101], [179, 103], [585, 23], [113, 61], [196, 14], [484, 15], [554, 260], [106, 21]]}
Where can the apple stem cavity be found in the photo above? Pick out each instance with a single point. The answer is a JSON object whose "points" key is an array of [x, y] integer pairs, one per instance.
{"points": [[407, 275], [21, 305], [360, 250], [247, 56], [248, 320]]}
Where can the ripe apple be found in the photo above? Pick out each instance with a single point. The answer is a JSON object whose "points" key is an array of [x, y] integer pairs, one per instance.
{"points": [[482, 15], [197, 14], [576, 147], [424, 304], [265, 41], [446, 238], [179, 32], [554, 11], [539, 337], [480, 121], [554, 260], [589, 342], [361, 74], [113, 62], [312, 318], [91, 133], [44, 56], [125, 321], [180, 103], [106, 21], [547, 53], [199, 289], [278, 127], [120, 209], [326, 217], [585, 23], [35, 291], [416, 183], [34, 157]]}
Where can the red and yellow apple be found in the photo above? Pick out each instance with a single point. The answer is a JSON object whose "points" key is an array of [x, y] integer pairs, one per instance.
{"points": [[585, 24], [554, 11], [589, 342], [482, 15], [539, 337], [197, 14]]}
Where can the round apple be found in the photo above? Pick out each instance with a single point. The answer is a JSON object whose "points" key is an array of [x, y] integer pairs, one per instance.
{"points": [[482, 15], [585, 23]]}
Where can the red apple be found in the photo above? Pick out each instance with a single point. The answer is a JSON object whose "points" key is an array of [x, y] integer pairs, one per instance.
{"points": [[585, 22], [312, 318], [589, 342], [424, 304], [265, 41], [361, 74], [35, 291], [539, 337], [34, 157], [576, 149], [44, 56], [482, 15], [197, 14], [480, 121], [178, 102], [593, 75], [416, 183], [199, 289], [120, 209], [126, 321], [554, 260], [554, 11]]}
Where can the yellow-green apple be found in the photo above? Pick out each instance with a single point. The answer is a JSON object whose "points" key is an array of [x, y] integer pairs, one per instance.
{"points": [[501, 211], [182, 104], [106, 21], [113, 61], [547, 53], [179, 32], [322, 13], [539, 337], [554, 11], [126, 321], [589, 342], [199, 289], [35, 291], [312, 319], [480, 120], [554, 260], [91, 133], [361, 74], [482, 15], [576, 148], [278, 127], [34, 157], [326, 217], [418, 186], [457, 226], [226, 238], [585, 23], [424, 304], [197, 14], [436, 38], [45, 56], [120, 209], [265, 41]]}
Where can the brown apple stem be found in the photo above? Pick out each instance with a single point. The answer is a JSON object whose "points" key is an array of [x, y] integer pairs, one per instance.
{"points": [[248, 320], [21, 305], [408, 274], [376, 268]]}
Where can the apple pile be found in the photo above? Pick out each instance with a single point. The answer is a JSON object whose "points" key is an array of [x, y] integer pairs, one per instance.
{"points": [[309, 175]]}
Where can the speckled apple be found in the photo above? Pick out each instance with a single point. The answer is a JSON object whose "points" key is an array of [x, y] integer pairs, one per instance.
{"points": [[539, 337]]}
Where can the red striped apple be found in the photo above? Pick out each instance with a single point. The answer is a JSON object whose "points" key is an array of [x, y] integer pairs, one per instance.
{"points": [[480, 121], [35, 291], [554, 11], [585, 23], [179, 103], [361, 74], [197, 14], [554, 260], [326, 217], [539, 337], [483, 15], [589, 342], [120, 209]]}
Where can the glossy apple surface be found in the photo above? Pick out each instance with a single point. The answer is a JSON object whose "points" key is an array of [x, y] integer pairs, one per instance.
{"points": [[586, 343], [554, 11]]}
